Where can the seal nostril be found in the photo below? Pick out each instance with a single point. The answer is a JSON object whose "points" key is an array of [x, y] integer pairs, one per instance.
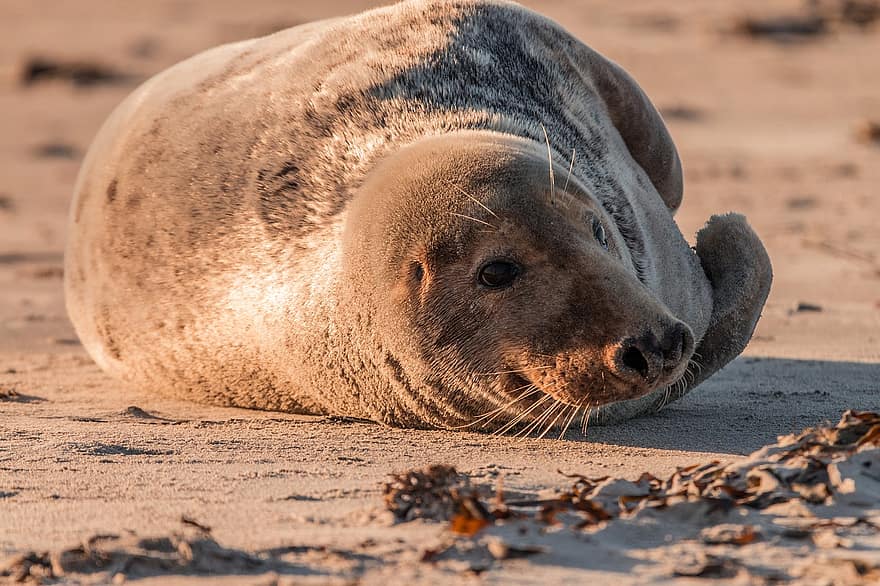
{"points": [[676, 343], [687, 344], [634, 359]]}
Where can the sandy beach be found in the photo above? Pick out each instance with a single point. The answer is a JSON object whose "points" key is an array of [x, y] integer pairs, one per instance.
{"points": [[784, 128]]}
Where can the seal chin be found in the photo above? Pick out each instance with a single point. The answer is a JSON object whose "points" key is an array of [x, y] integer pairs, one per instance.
{"points": [[607, 389]]}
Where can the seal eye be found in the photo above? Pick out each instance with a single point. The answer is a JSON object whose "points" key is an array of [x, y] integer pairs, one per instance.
{"points": [[599, 233], [498, 274]]}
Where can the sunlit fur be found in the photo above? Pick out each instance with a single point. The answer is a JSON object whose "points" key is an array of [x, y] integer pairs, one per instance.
{"points": [[294, 223]]}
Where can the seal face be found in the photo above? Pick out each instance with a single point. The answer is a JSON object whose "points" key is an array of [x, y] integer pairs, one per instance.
{"points": [[489, 281], [463, 219]]}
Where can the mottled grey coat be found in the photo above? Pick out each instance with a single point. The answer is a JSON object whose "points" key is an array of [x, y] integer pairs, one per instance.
{"points": [[206, 251]]}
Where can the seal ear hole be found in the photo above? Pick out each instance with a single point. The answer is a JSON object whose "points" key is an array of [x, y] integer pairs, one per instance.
{"points": [[417, 270]]}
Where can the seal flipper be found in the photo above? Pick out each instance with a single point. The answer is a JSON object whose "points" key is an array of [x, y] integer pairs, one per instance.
{"points": [[739, 270], [640, 126]]}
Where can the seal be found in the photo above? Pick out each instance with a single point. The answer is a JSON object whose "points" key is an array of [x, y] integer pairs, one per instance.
{"points": [[435, 214]]}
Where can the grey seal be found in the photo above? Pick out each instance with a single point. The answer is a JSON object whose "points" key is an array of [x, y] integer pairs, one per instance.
{"points": [[435, 214]]}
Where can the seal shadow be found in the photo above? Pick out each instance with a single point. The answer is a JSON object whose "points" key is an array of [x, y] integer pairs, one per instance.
{"points": [[748, 404]]}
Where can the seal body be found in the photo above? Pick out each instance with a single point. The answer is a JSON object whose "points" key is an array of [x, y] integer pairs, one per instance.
{"points": [[316, 221]]}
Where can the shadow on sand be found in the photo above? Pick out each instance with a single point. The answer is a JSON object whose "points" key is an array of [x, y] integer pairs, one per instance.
{"points": [[749, 404]]}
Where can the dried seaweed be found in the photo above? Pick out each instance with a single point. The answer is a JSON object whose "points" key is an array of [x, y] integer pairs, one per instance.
{"points": [[437, 493], [822, 465]]}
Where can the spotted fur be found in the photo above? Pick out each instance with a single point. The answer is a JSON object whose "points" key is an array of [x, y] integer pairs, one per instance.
{"points": [[205, 250]]}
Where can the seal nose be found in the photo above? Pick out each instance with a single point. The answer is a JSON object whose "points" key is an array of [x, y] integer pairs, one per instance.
{"points": [[678, 342], [648, 357]]}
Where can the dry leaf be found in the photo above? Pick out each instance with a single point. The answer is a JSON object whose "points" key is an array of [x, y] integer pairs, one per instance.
{"points": [[467, 525], [824, 466]]}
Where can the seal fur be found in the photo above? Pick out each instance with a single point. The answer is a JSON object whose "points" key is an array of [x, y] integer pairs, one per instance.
{"points": [[219, 244]]}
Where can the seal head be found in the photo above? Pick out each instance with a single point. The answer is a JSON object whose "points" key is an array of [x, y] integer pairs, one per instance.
{"points": [[488, 278]]}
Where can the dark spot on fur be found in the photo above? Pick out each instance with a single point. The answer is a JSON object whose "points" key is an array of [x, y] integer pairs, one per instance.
{"points": [[46, 272], [243, 64], [111, 191], [397, 371], [288, 204], [133, 198], [345, 104], [105, 331]]}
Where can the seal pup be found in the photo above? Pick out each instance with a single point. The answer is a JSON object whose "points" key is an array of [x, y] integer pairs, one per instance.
{"points": [[435, 214]]}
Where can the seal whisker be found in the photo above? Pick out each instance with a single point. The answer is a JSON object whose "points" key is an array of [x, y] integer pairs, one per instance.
{"points": [[680, 387], [677, 388], [575, 410], [539, 421], [529, 389], [502, 410], [472, 198], [570, 169], [552, 423], [550, 159], [475, 220], [587, 414], [690, 374], [511, 424], [551, 418], [536, 423], [513, 371], [666, 393], [519, 416]]}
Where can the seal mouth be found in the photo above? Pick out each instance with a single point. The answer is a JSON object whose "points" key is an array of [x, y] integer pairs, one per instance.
{"points": [[529, 403], [532, 409]]}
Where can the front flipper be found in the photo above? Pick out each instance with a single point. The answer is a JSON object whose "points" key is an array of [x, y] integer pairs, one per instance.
{"points": [[739, 271]]}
